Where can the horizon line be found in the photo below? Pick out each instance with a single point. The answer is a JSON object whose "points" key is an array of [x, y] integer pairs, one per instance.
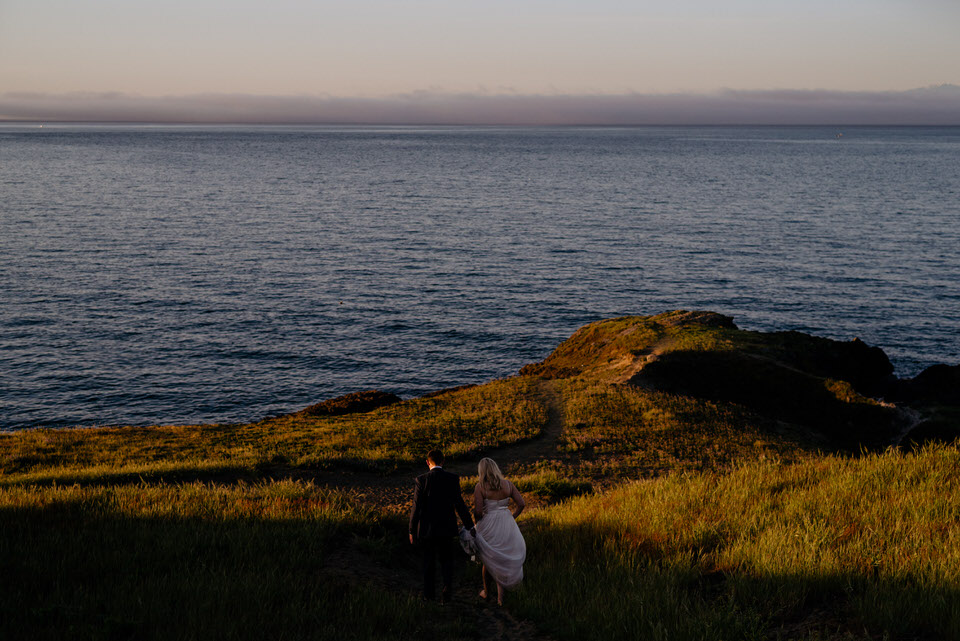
{"points": [[937, 105], [569, 125]]}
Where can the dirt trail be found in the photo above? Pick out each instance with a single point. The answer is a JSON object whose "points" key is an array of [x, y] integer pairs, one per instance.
{"points": [[641, 359], [395, 490], [539, 447], [402, 576]]}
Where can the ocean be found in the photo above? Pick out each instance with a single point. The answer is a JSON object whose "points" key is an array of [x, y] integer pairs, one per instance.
{"points": [[185, 274]]}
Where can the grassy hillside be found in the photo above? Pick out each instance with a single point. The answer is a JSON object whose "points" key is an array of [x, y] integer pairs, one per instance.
{"points": [[687, 480], [193, 561], [465, 422], [828, 548], [787, 378]]}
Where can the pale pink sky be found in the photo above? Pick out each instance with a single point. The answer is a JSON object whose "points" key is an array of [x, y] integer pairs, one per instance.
{"points": [[382, 48]]}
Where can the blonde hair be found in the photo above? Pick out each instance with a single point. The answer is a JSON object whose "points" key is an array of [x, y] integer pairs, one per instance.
{"points": [[490, 475]]}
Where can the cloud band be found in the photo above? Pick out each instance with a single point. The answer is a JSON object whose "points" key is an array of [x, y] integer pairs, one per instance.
{"points": [[929, 106]]}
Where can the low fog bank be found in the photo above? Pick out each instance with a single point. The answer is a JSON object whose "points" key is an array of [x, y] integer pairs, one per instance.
{"points": [[938, 105]]}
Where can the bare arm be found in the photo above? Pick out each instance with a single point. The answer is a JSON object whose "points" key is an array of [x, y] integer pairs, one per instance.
{"points": [[478, 502], [515, 495], [415, 511]]}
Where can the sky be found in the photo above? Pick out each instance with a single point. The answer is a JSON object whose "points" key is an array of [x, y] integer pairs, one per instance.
{"points": [[180, 59]]}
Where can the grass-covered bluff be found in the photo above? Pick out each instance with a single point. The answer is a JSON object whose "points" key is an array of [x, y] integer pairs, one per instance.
{"points": [[693, 481]]}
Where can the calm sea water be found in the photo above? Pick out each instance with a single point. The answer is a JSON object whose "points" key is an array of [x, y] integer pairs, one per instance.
{"points": [[217, 274]]}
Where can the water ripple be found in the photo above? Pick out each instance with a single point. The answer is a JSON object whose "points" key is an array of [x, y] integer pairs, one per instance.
{"points": [[185, 275]]}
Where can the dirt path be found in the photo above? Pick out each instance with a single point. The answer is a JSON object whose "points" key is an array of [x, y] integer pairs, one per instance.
{"points": [[541, 447], [402, 576], [395, 490], [641, 359]]}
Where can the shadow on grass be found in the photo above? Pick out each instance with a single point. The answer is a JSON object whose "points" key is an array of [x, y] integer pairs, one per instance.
{"points": [[76, 570], [584, 583], [776, 390], [226, 475], [346, 471], [79, 570]]}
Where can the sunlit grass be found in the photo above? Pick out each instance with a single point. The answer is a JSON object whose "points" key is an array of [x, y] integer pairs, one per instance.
{"points": [[148, 472], [605, 349], [461, 422], [624, 430], [687, 515], [819, 549], [172, 532], [544, 485]]}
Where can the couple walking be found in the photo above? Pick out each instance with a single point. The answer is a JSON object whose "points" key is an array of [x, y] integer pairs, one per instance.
{"points": [[496, 539]]}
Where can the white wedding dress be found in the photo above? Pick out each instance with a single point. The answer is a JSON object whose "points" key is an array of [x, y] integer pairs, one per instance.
{"points": [[500, 544]]}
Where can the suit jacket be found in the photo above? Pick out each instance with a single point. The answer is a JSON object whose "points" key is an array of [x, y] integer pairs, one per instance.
{"points": [[436, 502]]}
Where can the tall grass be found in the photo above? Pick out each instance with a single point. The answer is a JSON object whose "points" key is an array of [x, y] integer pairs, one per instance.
{"points": [[461, 422], [631, 431], [194, 561], [743, 533], [605, 349], [828, 548]]}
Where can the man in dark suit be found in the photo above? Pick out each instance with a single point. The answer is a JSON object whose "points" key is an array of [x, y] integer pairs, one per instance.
{"points": [[433, 522]]}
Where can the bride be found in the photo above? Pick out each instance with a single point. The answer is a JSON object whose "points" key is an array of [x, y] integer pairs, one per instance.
{"points": [[499, 543]]}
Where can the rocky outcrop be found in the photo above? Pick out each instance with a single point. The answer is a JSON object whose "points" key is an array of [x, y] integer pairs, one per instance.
{"points": [[838, 390], [934, 429], [682, 318], [615, 349], [354, 403], [938, 384], [825, 404], [934, 394], [866, 368]]}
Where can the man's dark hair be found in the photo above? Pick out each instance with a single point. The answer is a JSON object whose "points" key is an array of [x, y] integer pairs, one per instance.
{"points": [[435, 457]]}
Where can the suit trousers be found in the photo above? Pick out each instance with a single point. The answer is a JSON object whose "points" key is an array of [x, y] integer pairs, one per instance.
{"points": [[437, 547]]}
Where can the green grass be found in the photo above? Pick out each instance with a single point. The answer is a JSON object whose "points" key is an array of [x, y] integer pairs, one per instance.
{"points": [[462, 423], [171, 532], [548, 484], [604, 350], [626, 431], [685, 498], [196, 561], [829, 548]]}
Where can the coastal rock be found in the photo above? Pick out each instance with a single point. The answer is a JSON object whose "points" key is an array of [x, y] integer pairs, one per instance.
{"points": [[681, 318], [866, 368], [933, 431], [827, 405], [939, 384], [354, 403], [934, 394], [617, 347], [822, 386]]}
